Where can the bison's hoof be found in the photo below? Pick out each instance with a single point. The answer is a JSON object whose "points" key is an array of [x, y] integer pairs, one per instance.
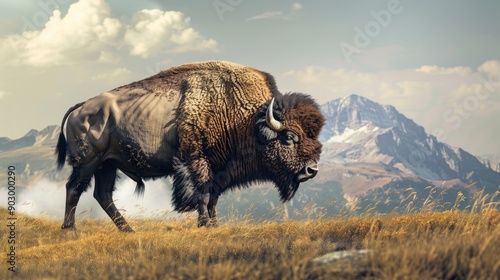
{"points": [[207, 222], [213, 222], [202, 222], [127, 229], [68, 226], [123, 226]]}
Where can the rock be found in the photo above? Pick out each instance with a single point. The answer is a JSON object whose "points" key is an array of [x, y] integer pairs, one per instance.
{"points": [[351, 255]]}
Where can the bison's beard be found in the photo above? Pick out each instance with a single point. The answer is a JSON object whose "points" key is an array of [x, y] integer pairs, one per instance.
{"points": [[287, 189]]}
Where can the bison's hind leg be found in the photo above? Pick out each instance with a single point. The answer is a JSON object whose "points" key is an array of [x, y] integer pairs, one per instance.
{"points": [[105, 178]]}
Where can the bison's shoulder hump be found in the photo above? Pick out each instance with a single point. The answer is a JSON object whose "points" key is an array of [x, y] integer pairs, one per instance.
{"points": [[215, 68], [214, 65]]}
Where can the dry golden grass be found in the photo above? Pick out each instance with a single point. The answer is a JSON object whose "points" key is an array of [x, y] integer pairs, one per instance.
{"points": [[447, 245]]}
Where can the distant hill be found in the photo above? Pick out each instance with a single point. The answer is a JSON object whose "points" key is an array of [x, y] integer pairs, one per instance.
{"points": [[32, 155]]}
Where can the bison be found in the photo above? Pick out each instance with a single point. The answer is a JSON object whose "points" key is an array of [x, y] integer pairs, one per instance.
{"points": [[211, 126]]}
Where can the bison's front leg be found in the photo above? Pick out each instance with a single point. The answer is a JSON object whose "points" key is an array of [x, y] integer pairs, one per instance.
{"points": [[206, 209], [211, 209], [192, 188], [203, 215]]}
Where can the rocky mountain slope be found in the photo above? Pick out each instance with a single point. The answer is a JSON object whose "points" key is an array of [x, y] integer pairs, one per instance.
{"points": [[376, 145], [32, 155], [360, 130]]}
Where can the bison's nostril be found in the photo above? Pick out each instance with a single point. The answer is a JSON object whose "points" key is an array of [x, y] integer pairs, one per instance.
{"points": [[312, 170], [307, 173]]}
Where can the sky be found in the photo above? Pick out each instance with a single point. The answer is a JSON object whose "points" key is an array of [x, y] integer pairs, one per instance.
{"points": [[437, 62]]}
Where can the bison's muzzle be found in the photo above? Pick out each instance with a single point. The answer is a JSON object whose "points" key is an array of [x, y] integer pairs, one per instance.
{"points": [[308, 172]]}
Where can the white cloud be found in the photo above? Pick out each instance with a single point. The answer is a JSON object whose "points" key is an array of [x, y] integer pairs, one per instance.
{"points": [[154, 30], [410, 90], [459, 70], [78, 36], [330, 82], [278, 14], [88, 32], [296, 6], [491, 68], [467, 89], [267, 15]]}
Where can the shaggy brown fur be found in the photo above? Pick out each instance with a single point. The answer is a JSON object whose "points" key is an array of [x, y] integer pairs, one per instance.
{"points": [[202, 123]]}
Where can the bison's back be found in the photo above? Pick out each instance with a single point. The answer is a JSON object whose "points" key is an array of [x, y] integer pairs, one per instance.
{"points": [[198, 110], [210, 102]]}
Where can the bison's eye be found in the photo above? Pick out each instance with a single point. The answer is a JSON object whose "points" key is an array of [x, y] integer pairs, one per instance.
{"points": [[289, 138]]}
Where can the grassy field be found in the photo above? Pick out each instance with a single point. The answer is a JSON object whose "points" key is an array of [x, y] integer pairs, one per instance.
{"points": [[447, 245]]}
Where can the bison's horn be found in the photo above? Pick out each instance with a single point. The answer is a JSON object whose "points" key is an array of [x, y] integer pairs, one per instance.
{"points": [[270, 120]]}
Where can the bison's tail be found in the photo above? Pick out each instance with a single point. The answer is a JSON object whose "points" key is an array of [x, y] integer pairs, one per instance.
{"points": [[61, 142], [61, 150]]}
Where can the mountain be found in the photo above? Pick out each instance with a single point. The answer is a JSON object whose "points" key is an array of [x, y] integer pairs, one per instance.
{"points": [[360, 130], [32, 155], [374, 159], [367, 145], [491, 160], [33, 138]]}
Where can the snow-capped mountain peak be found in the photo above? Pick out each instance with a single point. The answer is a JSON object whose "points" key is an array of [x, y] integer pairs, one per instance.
{"points": [[360, 130], [354, 111]]}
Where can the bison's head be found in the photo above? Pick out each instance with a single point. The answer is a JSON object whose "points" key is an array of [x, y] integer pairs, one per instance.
{"points": [[287, 130]]}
